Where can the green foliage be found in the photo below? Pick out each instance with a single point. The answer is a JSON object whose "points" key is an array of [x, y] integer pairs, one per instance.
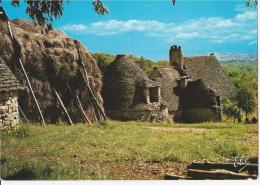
{"points": [[44, 11], [251, 3], [146, 65], [231, 109], [103, 60], [244, 76], [246, 101], [99, 7]]}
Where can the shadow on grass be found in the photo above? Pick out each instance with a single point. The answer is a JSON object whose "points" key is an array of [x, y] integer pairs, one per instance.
{"points": [[30, 173], [23, 174]]}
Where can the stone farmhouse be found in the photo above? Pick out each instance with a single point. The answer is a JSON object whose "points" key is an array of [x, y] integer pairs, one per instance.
{"points": [[193, 86], [9, 87]]}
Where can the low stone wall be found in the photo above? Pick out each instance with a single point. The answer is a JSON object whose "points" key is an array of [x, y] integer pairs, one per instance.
{"points": [[142, 112], [195, 115], [9, 114]]}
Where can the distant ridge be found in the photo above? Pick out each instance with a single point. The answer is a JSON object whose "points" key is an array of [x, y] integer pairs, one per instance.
{"points": [[235, 56]]}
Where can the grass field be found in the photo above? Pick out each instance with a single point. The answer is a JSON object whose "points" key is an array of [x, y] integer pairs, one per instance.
{"points": [[117, 150]]}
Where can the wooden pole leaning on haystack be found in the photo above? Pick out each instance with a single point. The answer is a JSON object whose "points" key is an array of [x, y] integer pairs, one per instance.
{"points": [[82, 110], [25, 74], [92, 96], [79, 105], [23, 115], [64, 108], [84, 74]]}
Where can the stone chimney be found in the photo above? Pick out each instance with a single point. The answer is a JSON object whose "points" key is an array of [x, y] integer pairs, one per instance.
{"points": [[176, 57]]}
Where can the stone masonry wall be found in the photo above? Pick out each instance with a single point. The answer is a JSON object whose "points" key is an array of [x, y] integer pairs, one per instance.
{"points": [[9, 114]]}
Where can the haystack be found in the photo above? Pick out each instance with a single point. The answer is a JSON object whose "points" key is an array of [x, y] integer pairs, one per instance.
{"points": [[51, 60]]}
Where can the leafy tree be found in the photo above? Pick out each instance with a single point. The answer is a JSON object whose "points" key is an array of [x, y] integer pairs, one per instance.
{"points": [[230, 108], [246, 101], [244, 75], [250, 3], [44, 11]]}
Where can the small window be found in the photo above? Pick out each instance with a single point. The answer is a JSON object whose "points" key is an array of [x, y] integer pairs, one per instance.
{"points": [[154, 94]]}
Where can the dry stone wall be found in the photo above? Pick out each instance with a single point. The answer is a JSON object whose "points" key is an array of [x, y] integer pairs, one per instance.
{"points": [[9, 114]]}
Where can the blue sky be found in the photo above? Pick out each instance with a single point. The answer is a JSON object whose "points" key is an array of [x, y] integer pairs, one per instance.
{"points": [[149, 28]]}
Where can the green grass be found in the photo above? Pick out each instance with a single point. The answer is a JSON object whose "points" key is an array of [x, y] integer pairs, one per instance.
{"points": [[66, 152]]}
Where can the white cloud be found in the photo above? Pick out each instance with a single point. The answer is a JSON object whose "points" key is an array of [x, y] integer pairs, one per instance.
{"points": [[247, 15], [187, 36], [74, 28], [215, 29]]}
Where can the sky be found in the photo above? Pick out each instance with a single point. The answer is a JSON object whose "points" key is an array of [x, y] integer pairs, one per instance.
{"points": [[148, 28]]}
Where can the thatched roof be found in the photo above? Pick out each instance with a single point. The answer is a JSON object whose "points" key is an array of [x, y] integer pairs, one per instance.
{"points": [[168, 78], [51, 60], [8, 81], [209, 69], [122, 82]]}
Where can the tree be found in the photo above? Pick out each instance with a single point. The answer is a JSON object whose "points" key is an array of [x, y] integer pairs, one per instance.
{"points": [[230, 108], [246, 101], [44, 11]]}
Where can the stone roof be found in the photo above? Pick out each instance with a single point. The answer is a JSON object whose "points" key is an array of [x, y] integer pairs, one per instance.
{"points": [[168, 77], [209, 69], [169, 72], [147, 83], [8, 81]]}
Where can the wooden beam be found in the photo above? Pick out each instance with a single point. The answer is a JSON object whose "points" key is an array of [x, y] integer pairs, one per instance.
{"points": [[26, 77], [79, 104], [84, 74], [64, 108], [93, 110], [217, 175], [24, 115], [252, 168], [34, 97], [93, 97], [175, 177], [82, 110], [252, 159]]}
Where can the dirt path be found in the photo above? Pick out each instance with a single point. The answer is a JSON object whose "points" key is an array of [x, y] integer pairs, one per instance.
{"points": [[171, 129], [133, 170]]}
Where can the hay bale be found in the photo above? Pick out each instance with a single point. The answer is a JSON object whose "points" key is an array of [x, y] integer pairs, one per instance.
{"points": [[50, 59]]}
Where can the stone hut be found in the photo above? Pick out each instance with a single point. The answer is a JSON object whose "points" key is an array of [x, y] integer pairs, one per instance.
{"points": [[129, 94], [193, 86], [9, 87], [168, 78]]}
